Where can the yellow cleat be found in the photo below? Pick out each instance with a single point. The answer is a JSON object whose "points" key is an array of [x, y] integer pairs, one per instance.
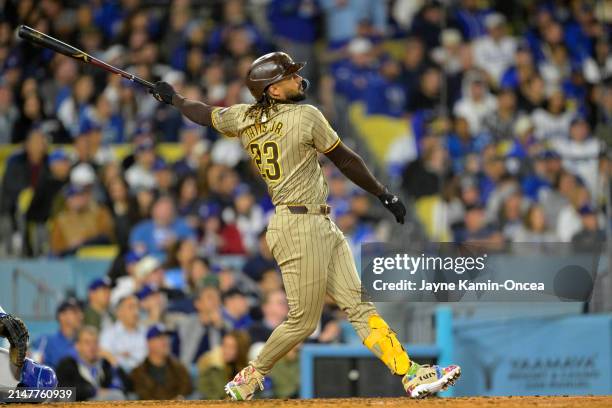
{"points": [[384, 340]]}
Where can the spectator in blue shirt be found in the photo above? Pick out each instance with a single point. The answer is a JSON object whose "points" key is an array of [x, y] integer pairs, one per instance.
{"points": [[293, 23], [385, 95], [470, 18], [353, 76], [55, 347], [235, 310], [342, 18], [156, 236]]}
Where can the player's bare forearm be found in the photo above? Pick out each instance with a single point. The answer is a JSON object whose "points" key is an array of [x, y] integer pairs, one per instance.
{"points": [[196, 111], [355, 169]]}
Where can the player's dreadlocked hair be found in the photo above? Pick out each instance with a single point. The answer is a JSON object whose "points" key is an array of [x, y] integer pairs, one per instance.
{"points": [[262, 108]]}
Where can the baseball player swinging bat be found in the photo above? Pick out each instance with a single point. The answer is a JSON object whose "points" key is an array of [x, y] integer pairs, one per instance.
{"points": [[16, 370], [283, 139]]}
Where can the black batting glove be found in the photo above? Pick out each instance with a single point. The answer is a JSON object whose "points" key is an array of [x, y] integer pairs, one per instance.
{"points": [[17, 334], [394, 205], [163, 92]]}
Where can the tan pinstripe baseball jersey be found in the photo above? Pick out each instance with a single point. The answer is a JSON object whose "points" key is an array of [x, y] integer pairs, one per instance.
{"points": [[282, 148], [312, 252]]}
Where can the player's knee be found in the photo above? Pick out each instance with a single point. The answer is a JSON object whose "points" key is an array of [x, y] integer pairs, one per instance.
{"points": [[309, 328]]}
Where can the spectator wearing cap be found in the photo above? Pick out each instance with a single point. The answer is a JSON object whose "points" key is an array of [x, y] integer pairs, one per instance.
{"points": [[82, 222], [260, 261], [580, 153], [449, 54], [140, 173], [92, 376], [494, 52], [100, 153], [221, 364], [476, 103], [591, 236], [160, 376], [156, 236], [152, 305], [219, 237], [235, 310], [124, 343], [164, 177], [97, 313], [145, 271], [24, 170], [354, 75], [51, 349], [201, 331]]}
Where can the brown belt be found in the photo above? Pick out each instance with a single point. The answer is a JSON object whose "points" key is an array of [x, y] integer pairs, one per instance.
{"points": [[304, 209]]}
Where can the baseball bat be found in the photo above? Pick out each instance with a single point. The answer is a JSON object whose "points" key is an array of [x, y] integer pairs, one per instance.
{"points": [[46, 41]]}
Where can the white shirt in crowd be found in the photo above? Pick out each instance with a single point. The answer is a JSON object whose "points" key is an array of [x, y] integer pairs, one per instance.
{"points": [[128, 346], [595, 73], [494, 57], [568, 224], [550, 127], [475, 111], [581, 159]]}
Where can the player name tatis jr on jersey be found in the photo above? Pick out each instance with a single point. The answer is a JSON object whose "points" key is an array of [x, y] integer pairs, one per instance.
{"points": [[257, 129]]}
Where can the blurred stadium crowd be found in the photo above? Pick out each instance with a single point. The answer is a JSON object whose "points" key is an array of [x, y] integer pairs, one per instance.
{"points": [[509, 107]]}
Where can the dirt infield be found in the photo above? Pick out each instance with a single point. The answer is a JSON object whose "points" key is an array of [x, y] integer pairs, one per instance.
{"points": [[490, 402]]}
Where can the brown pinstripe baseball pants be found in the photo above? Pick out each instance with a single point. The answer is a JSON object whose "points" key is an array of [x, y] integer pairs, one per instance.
{"points": [[315, 259]]}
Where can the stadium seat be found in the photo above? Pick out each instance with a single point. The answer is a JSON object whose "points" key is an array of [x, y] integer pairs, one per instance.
{"points": [[378, 131], [98, 252]]}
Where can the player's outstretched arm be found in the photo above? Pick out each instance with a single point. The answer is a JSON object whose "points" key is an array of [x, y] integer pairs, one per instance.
{"points": [[353, 167], [196, 111]]}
